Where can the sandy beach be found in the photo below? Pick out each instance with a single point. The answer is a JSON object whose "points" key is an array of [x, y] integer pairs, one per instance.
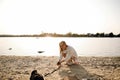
{"points": [[90, 68]]}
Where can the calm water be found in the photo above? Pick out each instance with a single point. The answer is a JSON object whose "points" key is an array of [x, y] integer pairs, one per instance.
{"points": [[21, 46]]}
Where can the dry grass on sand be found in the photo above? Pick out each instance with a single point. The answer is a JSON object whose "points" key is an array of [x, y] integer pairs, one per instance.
{"points": [[90, 68]]}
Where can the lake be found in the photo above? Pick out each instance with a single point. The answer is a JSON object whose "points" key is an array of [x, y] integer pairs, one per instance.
{"points": [[29, 46]]}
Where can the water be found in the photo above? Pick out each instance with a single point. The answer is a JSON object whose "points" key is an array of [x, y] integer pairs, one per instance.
{"points": [[29, 46]]}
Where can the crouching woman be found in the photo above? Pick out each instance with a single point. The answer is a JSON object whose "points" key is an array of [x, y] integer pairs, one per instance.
{"points": [[67, 54]]}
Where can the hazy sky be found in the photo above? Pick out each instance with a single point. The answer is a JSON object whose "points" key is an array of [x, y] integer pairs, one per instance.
{"points": [[60, 16]]}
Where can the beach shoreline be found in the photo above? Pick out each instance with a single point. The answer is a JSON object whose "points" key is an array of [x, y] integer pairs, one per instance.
{"points": [[92, 68]]}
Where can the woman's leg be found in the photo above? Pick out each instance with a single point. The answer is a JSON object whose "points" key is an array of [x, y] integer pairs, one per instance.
{"points": [[69, 62], [75, 60]]}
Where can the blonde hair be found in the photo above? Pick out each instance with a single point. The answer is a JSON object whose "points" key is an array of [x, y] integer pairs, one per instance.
{"points": [[60, 44]]}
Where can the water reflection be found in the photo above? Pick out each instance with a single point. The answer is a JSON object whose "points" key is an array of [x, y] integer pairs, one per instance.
{"points": [[84, 46]]}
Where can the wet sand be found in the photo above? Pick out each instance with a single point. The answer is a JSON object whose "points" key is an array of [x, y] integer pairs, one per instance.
{"points": [[90, 68]]}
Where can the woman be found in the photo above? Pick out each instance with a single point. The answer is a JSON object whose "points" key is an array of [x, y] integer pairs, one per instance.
{"points": [[67, 54]]}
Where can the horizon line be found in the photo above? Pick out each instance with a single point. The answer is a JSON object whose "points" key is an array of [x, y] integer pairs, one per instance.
{"points": [[58, 33]]}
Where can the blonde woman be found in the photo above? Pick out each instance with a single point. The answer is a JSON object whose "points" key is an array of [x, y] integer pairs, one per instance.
{"points": [[67, 54]]}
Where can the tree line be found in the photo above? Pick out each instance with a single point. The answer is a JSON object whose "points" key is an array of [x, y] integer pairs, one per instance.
{"points": [[69, 34]]}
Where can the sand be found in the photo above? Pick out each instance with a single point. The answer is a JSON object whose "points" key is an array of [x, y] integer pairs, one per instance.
{"points": [[90, 68]]}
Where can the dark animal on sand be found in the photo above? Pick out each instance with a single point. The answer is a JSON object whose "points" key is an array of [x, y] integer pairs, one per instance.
{"points": [[36, 76]]}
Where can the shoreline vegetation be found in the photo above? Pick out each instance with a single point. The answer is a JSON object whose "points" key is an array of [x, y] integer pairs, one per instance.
{"points": [[69, 34], [90, 68]]}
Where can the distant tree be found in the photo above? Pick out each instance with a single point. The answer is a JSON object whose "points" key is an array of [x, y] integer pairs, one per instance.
{"points": [[89, 34], [68, 34], [118, 35], [111, 34], [102, 35], [97, 35], [75, 35]]}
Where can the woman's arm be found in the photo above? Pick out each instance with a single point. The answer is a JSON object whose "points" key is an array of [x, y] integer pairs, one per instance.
{"points": [[62, 55], [60, 58], [68, 57]]}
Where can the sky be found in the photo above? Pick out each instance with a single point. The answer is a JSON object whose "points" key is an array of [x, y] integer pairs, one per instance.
{"points": [[59, 16]]}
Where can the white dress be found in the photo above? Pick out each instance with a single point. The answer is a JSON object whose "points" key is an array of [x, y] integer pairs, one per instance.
{"points": [[70, 52]]}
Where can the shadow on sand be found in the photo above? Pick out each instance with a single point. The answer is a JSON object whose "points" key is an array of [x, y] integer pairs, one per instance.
{"points": [[77, 72]]}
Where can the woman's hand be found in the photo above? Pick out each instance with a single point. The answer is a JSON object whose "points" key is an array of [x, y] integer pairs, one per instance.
{"points": [[58, 63]]}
